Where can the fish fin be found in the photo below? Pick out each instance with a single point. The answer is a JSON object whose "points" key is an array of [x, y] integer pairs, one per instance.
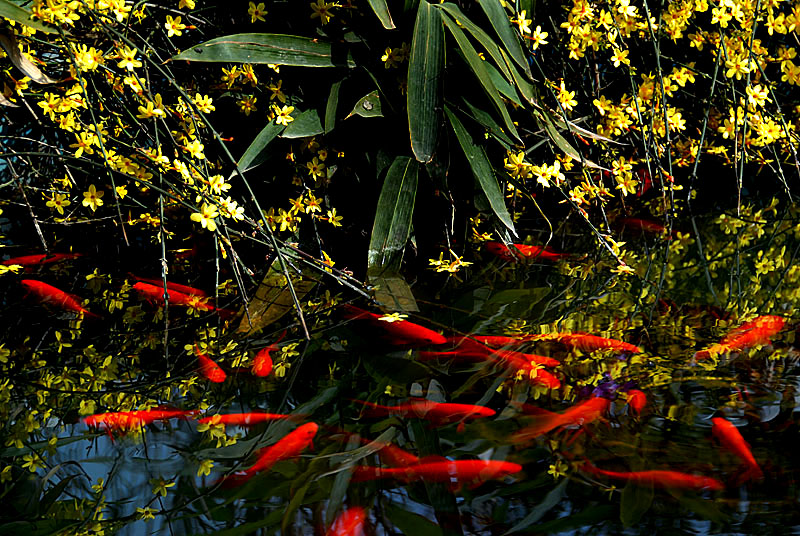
{"points": [[460, 428]]}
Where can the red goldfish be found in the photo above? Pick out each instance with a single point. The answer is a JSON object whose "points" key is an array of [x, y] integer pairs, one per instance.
{"points": [[637, 400], [401, 332], [349, 523], [262, 363], [473, 472], [50, 294], [757, 331], [126, 420], [437, 413], [728, 435], [660, 479], [642, 226], [580, 414], [530, 252], [209, 368], [588, 343], [288, 447], [183, 289], [243, 419], [39, 260], [156, 294]]}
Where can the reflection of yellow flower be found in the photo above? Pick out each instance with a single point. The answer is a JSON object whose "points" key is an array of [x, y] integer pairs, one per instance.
{"points": [[394, 317], [145, 513], [92, 198], [160, 486], [205, 467]]}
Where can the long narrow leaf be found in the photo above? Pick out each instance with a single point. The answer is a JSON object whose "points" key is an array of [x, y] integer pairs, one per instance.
{"points": [[482, 169], [479, 70], [499, 18], [305, 124], [332, 106], [12, 11], [259, 145], [561, 142], [393, 218], [279, 49], [424, 81], [382, 11]]}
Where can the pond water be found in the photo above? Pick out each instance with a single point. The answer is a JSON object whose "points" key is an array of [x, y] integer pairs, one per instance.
{"points": [[657, 401]]}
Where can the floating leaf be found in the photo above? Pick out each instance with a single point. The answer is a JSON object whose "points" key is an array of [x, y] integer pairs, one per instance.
{"points": [[254, 152], [382, 11], [12, 11], [278, 49], [11, 46], [393, 217], [273, 299], [424, 81], [305, 124], [367, 106], [482, 170]]}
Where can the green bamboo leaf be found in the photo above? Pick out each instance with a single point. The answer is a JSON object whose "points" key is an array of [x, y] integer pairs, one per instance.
{"points": [[480, 35], [279, 49], [502, 85], [393, 217], [508, 35], [550, 501], [254, 152], [424, 81], [367, 106], [333, 104], [636, 501], [482, 170], [382, 11], [479, 69], [22, 16], [305, 124], [411, 523], [561, 142], [485, 119]]}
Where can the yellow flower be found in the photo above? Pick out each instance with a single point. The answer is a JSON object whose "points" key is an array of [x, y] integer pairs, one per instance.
{"points": [[523, 23], [188, 4], [322, 9], [127, 59], [174, 26], [282, 116], [206, 217], [145, 513], [203, 103], [394, 317], [248, 104], [58, 203], [538, 38], [92, 198], [205, 467], [333, 219], [256, 12], [160, 486], [316, 168]]}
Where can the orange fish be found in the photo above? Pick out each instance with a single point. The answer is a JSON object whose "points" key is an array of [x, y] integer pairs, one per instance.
{"points": [[288, 447], [50, 294], [349, 523], [243, 419], [183, 289], [637, 400], [209, 368], [156, 294], [472, 472], [660, 479], [401, 332], [580, 414], [127, 420], [39, 260], [530, 252], [438, 414], [588, 343], [262, 363], [728, 435], [644, 226], [758, 331]]}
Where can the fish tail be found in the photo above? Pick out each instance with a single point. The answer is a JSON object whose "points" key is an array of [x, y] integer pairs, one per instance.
{"points": [[365, 473], [545, 424]]}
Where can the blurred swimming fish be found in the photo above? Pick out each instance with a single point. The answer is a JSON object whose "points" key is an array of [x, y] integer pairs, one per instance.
{"points": [[580, 414], [262, 362], [465, 472], [730, 438], [637, 400], [349, 523], [156, 294], [209, 368], [437, 413], [524, 251], [121, 421], [50, 294], [42, 259], [758, 331], [588, 343], [177, 287], [660, 479], [243, 419], [402, 332]]}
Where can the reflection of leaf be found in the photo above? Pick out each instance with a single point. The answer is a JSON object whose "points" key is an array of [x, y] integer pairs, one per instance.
{"points": [[411, 523], [424, 81], [396, 370], [51, 495], [551, 500], [340, 483], [304, 125], [392, 292], [20, 61], [367, 106], [393, 216], [635, 502], [517, 301], [273, 299], [382, 11], [702, 507], [278, 49]]}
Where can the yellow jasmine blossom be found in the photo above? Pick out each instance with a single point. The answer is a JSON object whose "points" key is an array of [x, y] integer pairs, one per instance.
{"points": [[205, 467], [322, 9], [174, 26], [58, 203], [145, 513], [206, 217], [256, 12], [92, 198], [160, 486], [127, 59], [247, 104], [282, 116]]}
